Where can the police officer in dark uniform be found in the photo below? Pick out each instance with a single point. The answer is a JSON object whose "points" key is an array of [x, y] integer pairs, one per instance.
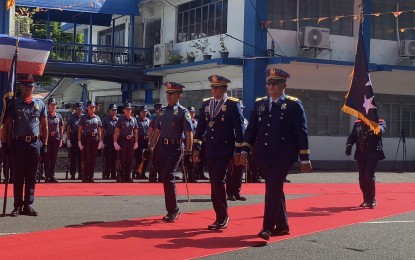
{"points": [[172, 126], [125, 142], [143, 125], [90, 138], [30, 138], [110, 155], [72, 141], [221, 129], [369, 151], [278, 125], [154, 174], [190, 169], [55, 126]]}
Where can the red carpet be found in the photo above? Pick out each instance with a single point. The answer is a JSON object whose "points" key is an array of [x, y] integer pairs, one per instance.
{"points": [[331, 206]]}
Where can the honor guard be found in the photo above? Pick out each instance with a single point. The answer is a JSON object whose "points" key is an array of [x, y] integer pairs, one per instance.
{"points": [[369, 151], [172, 126], [110, 155], [190, 169], [125, 142], [90, 140], [221, 128], [29, 140], [143, 125], [277, 124], [55, 126], [154, 174], [72, 141]]}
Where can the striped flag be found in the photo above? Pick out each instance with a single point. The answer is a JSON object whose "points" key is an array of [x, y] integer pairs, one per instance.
{"points": [[33, 54], [360, 100], [9, 4], [11, 81]]}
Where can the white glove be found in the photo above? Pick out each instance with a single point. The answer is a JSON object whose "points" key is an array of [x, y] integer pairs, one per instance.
{"points": [[81, 147], [117, 146], [68, 143], [100, 145], [135, 146]]}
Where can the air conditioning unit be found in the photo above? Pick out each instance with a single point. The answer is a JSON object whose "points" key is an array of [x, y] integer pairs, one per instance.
{"points": [[315, 37], [162, 53], [407, 48], [22, 26]]}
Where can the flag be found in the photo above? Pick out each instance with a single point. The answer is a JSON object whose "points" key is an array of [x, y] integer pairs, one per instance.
{"points": [[9, 4], [360, 101], [33, 54]]}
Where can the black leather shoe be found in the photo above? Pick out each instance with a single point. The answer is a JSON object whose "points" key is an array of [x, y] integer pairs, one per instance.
{"points": [[53, 180], [363, 205], [72, 177], [264, 234], [129, 180], [239, 197], [142, 177], [219, 224], [16, 212], [171, 217], [29, 211], [280, 232], [231, 198], [287, 180], [372, 204]]}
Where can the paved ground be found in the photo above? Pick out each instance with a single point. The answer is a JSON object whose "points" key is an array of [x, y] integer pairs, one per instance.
{"points": [[387, 238]]}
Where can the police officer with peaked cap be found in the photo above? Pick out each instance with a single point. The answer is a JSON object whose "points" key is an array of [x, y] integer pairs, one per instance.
{"points": [[173, 124], [110, 155], [221, 128], [154, 174], [277, 124], [125, 142], [72, 141], [90, 138], [30, 138], [55, 126], [143, 125]]}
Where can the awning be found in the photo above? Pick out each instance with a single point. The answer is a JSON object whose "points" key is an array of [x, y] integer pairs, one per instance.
{"points": [[120, 7]]}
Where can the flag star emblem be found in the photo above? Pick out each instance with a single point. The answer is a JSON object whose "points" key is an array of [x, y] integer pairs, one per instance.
{"points": [[367, 104], [369, 83]]}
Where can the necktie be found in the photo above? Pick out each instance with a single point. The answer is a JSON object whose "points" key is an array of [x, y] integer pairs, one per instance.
{"points": [[273, 106]]}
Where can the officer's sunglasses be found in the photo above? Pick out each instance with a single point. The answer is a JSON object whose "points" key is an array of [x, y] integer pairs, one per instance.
{"points": [[273, 83]]}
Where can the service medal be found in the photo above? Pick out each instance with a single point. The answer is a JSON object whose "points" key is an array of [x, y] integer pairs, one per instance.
{"points": [[206, 109], [261, 108], [284, 106], [36, 107], [176, 112], [223, 108], [211, 123]]}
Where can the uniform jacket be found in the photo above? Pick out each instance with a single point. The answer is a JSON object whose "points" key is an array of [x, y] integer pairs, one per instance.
{"points": [[223, 134], [280, 134], [368, 145]]}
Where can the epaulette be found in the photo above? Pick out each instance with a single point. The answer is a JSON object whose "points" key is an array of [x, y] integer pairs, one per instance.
{"points": [[206, 99], [291, 98], [233, 99], [260, 98]]}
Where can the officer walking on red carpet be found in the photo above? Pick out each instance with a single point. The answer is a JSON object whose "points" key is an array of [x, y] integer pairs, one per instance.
{"points": [[220, 126], [172, 126], [29, 140], [369, 151], [278, 125]]}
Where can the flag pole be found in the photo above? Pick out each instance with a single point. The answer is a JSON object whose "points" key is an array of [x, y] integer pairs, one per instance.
{"points": [[11, 97]]}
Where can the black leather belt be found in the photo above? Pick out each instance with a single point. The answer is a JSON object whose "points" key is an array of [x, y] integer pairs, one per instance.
{"points": [[91, 134], [128, 137], [170, 141], [28, 138]]}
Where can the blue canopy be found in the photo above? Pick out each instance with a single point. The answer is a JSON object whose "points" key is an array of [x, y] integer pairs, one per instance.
{"points": [[120, 7]]}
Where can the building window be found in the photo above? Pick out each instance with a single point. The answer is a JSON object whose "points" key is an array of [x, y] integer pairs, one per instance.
{"points": [[201, 18], [282, 12], [105, 36]]}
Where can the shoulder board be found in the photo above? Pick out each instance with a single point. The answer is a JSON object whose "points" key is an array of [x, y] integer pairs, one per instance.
{"points": [[182, 107], [291, 98], [206, 99], [233, 99], [260, 98]]}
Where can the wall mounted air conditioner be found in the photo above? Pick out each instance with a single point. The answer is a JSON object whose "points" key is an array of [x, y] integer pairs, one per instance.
{"points": [[407, 48], [22, 25], [162, 53], [315, 37]]}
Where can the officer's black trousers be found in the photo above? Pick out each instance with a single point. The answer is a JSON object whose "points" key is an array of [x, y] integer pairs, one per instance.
{"points": [[90, 152], [138, 154], [234, 179], [75, 156], [110, 155], [367, 178], [126, 157], [170, 157], [25, 158], [217, 172], [50, 158], [275, 214]]}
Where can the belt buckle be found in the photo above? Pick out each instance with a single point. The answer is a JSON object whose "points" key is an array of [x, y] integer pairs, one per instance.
{"points": [[28, 139], [93, 134], [129, 137], [52, 133], [165, 141]]}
